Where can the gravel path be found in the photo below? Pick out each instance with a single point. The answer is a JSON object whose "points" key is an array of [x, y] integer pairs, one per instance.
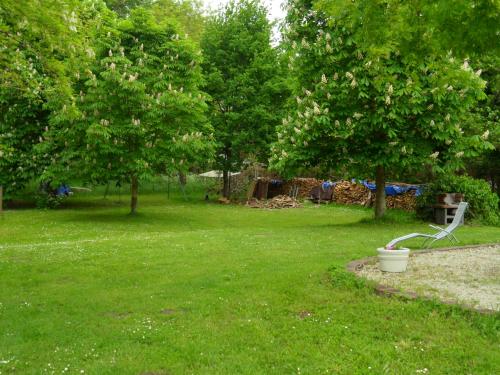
{"points": [[467, 276]]}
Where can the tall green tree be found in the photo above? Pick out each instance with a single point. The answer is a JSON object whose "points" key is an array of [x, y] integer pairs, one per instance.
{"points": [[373, 111], [138, 110], [244, 80], [39, 41]]}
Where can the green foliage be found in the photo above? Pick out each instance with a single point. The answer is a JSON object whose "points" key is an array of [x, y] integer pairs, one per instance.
{"points": [[37, 39], [245, 81], [483, 203], [137, 110], [186, 14], [357, 109], [48, 200]]}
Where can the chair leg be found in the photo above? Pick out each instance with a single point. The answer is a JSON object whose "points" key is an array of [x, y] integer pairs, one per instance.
{"points": [[423, 243], [430, 243]]}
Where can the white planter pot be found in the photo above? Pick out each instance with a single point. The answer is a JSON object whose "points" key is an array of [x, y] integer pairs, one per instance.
{"points": [[393, 260]]}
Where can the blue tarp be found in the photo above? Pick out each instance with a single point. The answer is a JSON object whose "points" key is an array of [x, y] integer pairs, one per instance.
{"points": [[391, 190], [63, 190]]}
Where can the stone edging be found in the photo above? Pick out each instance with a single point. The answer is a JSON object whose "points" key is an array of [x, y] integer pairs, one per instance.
{"points": [[384, 290]]}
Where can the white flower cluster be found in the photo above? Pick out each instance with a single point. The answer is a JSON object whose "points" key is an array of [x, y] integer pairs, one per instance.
{"points": [[104, 122], [136, 122]]}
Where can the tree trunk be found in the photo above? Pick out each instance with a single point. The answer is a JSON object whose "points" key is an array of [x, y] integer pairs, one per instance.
{"points": [[134, 189], [226, 190], [380, 193], [1, 198], [182, 178]]}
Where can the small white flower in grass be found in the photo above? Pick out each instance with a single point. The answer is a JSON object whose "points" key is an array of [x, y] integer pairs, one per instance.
{"points": [[308, 93], [390, 90], [434, 155], [432, 123], [324, 80], [348, 121], [317, 110], [485, 135], [349, 75], [387, 100], [299, 100], [354, 83], [459, 154], [357, 115], [449, 88], [110, 53], [297, 130]]}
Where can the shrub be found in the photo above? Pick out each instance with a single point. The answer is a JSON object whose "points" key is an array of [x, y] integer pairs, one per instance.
{"points": [[483, 203]]}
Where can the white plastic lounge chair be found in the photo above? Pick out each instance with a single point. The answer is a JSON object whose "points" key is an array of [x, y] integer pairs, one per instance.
{"points": [[431, 238]]}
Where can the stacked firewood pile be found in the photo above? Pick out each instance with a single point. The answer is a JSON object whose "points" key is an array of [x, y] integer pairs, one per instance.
{"points": [[304, 186], [406, 201], [280, 201], [346, 192]]}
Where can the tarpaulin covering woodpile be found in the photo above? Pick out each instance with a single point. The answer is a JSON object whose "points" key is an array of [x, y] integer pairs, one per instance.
{"points": [[280, 201]]}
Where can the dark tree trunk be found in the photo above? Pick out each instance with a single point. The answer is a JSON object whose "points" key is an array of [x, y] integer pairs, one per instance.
{"points": [[380, 193], [226, 189], [1, 198], [182, 178], [134, 190]]}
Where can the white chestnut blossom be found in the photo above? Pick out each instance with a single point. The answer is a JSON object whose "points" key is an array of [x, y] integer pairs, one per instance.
{"points": [[434, 155], [349, 75], [324, 80], [459, 154], [485, 135]]}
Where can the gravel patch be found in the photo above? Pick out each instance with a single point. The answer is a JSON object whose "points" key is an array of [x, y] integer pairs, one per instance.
{"points": [[470, 277]]}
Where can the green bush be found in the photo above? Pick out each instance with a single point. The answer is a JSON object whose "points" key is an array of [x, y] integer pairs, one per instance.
{"points": [[483, 203], [47, 200]]}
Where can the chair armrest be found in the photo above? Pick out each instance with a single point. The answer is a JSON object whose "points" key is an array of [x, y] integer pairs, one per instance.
{"points": [[438, 228]]}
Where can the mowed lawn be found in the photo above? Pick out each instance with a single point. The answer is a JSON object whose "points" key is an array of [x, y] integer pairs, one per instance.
{"points": [[189, 287]]}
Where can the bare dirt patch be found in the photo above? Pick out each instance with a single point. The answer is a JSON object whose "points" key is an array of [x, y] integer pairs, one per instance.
{"points": [[470, 277]]}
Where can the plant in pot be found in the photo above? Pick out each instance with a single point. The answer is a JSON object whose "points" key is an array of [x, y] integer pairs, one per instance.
{"points": [[393, 258]]}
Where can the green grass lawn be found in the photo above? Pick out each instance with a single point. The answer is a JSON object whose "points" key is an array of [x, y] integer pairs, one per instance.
{"points": [[188, 287]]}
